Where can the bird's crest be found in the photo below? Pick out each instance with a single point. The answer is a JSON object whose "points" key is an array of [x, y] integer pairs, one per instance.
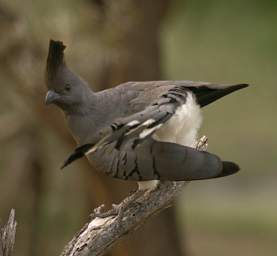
{"points": [[55, 58]]}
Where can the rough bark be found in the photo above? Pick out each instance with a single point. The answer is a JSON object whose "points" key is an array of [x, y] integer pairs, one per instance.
{"points": [[7, 236], [101, 232]]}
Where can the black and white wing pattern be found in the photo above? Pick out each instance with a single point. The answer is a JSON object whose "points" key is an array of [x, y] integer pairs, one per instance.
{"points": [[127, 150], [139, 126], [143, 124]]}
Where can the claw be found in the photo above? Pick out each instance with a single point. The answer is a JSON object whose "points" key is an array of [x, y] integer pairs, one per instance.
{"points": [[118, 209], [97, 212]]}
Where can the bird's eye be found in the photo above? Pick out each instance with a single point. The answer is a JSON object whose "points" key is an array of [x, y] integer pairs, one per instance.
{"points": [[67, 87]]}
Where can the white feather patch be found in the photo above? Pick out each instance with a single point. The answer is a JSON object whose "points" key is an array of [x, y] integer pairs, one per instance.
{"points": [[149, 121], [146, 132], [132, 123], [183, 126]]}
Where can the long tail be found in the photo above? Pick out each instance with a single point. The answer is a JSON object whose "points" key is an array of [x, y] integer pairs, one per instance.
{"points": [[158, 160]]}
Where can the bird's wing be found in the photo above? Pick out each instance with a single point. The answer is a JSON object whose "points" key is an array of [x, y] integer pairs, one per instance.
{"points": [[204, 92], [136, 128], [141, 125], [168, 96]]}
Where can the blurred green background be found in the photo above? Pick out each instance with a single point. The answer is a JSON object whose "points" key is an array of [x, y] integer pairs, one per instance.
{"points": [[231, 41], [208, 40]]}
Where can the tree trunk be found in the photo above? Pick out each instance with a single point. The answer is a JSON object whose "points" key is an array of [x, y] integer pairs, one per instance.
{"points": [[124, 45]]}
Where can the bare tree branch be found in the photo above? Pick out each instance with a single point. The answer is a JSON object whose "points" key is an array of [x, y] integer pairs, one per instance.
{"points": [[7, 236], [99, 234]]}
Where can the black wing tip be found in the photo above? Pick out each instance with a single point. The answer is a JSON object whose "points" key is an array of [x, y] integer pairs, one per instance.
{"points": [[232, 88], [241, 86], [229, 168]]}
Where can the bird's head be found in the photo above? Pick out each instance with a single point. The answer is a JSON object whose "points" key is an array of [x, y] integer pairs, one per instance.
{"points": [[65, 89]]}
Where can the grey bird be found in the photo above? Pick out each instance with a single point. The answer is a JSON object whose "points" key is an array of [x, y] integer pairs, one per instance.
{"points": [[141, 131]]}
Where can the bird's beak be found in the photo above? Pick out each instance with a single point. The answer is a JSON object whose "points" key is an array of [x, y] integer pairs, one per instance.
{"points": [[51, 97]]}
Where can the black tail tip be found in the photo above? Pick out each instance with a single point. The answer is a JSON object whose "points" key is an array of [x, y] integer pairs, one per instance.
{"points": [[229, 168]]}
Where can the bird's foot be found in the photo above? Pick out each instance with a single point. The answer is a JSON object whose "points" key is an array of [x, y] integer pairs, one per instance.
{"points": [[117, 209], [99, 213]]}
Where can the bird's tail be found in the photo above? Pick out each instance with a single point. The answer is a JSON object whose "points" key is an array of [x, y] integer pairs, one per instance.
{"points": [[175, 162], [158, 160]]}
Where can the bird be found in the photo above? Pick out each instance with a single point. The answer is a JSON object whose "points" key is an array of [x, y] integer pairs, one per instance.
{"points": [[144, 131]]}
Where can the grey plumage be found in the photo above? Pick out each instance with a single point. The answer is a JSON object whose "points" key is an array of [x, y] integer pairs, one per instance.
{"points": [[126, 131], [156, 160]]}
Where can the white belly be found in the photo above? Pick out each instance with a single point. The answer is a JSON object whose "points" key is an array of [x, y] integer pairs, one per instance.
{"points": [[183, 127]]}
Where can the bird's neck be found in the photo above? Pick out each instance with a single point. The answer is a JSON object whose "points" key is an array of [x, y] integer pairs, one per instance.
{"points": [[81, 120], [80, 127]]}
